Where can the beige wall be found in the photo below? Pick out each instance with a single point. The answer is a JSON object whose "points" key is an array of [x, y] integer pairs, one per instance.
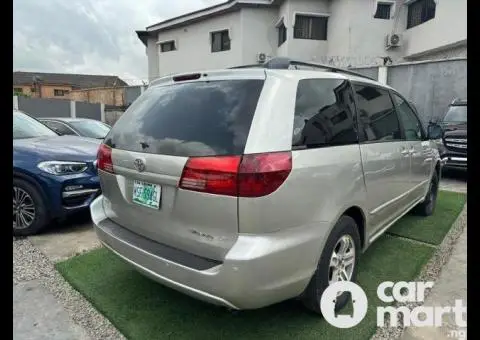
{"points": [[108, 96], [47, 91]]}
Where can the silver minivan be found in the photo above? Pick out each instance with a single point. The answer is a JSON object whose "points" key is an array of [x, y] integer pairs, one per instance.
{"points": [[245, 187]]}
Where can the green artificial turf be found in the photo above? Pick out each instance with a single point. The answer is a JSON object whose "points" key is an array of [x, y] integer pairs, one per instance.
{"points": [[143, 309], [434, 228]]}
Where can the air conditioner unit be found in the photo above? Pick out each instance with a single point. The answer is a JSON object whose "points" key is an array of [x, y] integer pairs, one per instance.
{"points": [[261, 57], [393, 40]]}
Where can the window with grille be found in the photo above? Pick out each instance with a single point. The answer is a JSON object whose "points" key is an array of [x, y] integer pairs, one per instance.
{"points": [[59, 93], [220, 41], [419, 12], [167, 46], [282, 34], [383, 11], [310, 27]]}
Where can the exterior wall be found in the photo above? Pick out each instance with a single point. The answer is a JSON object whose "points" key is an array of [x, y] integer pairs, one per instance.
{"points": [[259, 34], [88, 110], [354, 39], [108, 96], [431, 86], [357, 37], [194, 48], [132, 93], [449, 27], [305, 49], [152, 56], [40, 107], [47, 91], [43, 107]]}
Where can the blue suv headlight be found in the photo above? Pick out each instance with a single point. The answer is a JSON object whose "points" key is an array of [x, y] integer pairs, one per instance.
{"points": [[62, 168]]}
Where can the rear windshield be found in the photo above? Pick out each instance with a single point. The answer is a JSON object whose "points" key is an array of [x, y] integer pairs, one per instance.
{"points": [[189, 119]]}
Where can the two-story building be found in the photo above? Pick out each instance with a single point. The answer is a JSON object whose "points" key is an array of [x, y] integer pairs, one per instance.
{"points": [[339, 32]]}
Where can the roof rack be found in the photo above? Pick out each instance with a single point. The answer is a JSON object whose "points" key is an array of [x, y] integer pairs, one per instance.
{"points": [[281, 63]]}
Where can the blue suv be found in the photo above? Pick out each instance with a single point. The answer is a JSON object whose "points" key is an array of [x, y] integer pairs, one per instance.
{"points": [[53, 176]]}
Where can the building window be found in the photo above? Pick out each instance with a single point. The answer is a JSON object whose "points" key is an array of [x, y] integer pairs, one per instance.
{"points": [[282, 33], [17, 90], [167, 46], [383, 11], [220, 41], [59, 93], [419, 12], [310, 27]]}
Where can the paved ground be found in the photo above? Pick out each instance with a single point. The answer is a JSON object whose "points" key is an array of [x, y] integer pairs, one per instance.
{"points": [[452, 282], [451, 285], [50, 320], [73, 237]]}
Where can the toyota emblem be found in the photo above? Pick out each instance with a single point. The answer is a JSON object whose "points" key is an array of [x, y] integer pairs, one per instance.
{"points": [[139, 165]]}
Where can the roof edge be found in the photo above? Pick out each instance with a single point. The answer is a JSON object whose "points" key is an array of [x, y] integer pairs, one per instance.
{"points": [[204, 13]]}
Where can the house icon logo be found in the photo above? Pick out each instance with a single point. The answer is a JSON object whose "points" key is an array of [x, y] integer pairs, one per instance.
{"points": [[329, 300]]}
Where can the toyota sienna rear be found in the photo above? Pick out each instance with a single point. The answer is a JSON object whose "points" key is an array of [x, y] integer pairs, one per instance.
{"points": [[213, 184]]}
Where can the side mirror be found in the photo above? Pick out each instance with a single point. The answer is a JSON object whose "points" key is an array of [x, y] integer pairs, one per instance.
{"points": [[435, 131]]}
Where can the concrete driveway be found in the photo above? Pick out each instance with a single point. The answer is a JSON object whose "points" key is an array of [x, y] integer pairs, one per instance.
{"points": [[67, 239]]}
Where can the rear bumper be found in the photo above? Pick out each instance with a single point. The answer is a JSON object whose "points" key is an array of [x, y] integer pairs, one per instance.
{"points": [[259, 270]]}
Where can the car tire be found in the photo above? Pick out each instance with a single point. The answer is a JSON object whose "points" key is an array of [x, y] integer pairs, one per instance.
{"points": [[345, 228], [427, 207], [33, 204]]}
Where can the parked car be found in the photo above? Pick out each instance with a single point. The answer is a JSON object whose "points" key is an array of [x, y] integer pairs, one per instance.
{"points": [[77, 127], [53, 176], [453, 145], [245, 187]]}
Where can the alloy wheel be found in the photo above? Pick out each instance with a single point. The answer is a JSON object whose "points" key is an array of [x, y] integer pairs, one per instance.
{"points": [[342, 261], [23, 209]]}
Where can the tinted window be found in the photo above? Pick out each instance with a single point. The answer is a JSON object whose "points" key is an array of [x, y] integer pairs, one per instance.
{"points": [[411, 125], [90, 128], [25, 126], [59, 127], [456, 114], [189, 119], [324, 113], [377, 118]]}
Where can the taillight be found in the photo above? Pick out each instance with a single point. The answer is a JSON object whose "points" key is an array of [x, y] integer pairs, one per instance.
{"points": [[104, 158], [261, 174], [252, 175], [215, 175]]}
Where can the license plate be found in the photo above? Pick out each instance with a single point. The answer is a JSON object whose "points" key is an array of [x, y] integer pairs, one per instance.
{"points": [[147, 194]]}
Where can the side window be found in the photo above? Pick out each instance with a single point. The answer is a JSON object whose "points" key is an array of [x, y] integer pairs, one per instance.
{"points": [[376, 114], [410, 122], [324, 114], [59, 128]]}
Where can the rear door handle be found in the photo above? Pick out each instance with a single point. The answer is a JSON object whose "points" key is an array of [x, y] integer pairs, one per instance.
{"points": [[404, 151]]}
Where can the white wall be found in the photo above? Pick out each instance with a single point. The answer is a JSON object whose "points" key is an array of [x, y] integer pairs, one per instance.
{"points": [[152, 56], [194, 47], [305, 49], [447, 28], [259, 34], [354, 35]]}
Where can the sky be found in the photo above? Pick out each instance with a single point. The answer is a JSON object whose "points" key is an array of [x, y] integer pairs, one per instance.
{"points": [[89, 36]]}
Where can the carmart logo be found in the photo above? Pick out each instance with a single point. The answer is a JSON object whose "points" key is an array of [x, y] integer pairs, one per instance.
{"points": [[388, 292], [329, 300]]}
